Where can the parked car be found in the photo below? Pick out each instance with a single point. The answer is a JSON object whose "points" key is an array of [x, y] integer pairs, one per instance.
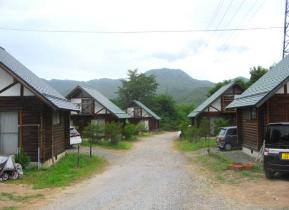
{"points": [[276, 150], [227, 139], [75, 137]]}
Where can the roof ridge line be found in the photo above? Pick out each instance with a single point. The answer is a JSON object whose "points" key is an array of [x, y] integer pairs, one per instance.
{"points": [[256, 94], [51, 96]]}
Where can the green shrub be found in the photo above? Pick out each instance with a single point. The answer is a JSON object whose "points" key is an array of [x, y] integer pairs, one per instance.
{"points": [[141, 128], [113, 132], [93, 132], [219, 123], [192, 134], [22, 158], [204, 127], [129, 131]]}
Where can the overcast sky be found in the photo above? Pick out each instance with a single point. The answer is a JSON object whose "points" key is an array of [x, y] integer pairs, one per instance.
{"points": [[213, 56]]}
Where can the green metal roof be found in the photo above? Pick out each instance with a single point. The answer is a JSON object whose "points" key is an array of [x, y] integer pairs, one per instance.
{"points": [[154, 115], [210, 100], [265, 87], [115, 110]]}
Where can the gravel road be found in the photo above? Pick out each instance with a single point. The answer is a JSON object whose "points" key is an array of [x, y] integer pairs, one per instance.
{"points": [[151, 176]]}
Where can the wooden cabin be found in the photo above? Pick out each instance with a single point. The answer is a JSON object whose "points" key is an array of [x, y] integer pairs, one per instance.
{"points": [[139, 113], [266, 101], [94, 107], [214, 107], [33, 115]]}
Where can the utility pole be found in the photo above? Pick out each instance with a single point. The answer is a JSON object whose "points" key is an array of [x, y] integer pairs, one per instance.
{"points": [[286, 30]]}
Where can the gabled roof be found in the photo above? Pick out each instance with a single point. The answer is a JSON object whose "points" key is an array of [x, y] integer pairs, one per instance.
{"points": [[34, 83], [154, 115], [265, 87], [115, 110], [211, 100]]}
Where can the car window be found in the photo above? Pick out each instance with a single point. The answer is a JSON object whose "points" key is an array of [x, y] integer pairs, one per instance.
{"points": [[278, 134], [232, 132], [222, 132]]}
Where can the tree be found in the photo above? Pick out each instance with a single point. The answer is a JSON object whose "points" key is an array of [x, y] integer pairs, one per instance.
{"points": [[256, 73], [217, 86], [204, 127], [241, 82], [138, 86], [93, 132], [165, 106], [205, 130], [113, 132]]}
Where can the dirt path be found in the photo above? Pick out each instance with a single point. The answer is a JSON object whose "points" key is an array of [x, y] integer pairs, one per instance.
{"points": [[151, 176]]}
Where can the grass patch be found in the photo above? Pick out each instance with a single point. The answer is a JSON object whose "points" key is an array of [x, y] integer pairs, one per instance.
{"points": [[219, 165], [18, 198], [186, 146], [64, 172], [9, 208], [122, 145]]}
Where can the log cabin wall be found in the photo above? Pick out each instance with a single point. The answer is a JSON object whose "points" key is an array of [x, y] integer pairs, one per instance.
{"points": [[32, 111], [59, 134], [248, 128], [153, 124]]}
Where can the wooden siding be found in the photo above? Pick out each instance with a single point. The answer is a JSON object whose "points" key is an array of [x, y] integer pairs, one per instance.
{"points": [[153, 123], [32, 111], [252, 132]]}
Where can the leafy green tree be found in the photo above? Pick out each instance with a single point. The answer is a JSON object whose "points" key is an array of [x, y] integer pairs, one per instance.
{"points": [[256, 73], [165, 106], [113, 132], [241, 82], [93, 132], [138, 86], [205, 130], [217, 86], [219, 123], [192, 134], [129, 131], [204, 127]]}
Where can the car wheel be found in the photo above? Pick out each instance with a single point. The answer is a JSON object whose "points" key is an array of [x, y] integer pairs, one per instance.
{"points": [[269, 174], [228, 147]]}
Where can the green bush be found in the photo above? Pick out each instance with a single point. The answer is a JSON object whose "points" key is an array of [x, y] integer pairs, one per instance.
{"points": [[129, 131], [192, 134], [22, 158], [219, 123], [204, 127], [93, 132], [113, 132], [141, 128]]}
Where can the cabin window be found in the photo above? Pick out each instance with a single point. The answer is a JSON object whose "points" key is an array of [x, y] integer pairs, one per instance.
{"points": [[253, 114], [87, 106], [250, 114], [56, 118]]}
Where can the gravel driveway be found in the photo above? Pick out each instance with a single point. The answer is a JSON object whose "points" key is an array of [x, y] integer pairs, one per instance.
{"points": [[151, 176]]}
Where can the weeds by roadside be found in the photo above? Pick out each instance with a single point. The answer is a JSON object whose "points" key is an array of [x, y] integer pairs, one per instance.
{"points": [[122, 145], [219, 165], [187, 146], [63, 173], [18, 198]]}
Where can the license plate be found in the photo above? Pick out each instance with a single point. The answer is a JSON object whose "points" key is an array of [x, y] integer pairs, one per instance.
{"points": [[285, 156]]}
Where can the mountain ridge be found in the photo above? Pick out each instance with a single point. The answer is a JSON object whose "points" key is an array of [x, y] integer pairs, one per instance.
{"points": [[174, 82]]}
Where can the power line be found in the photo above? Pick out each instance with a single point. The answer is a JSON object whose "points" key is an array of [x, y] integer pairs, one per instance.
{"points": [[220, 4], [227, 10], [247, 18], [139, 32], [238, 9]]}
